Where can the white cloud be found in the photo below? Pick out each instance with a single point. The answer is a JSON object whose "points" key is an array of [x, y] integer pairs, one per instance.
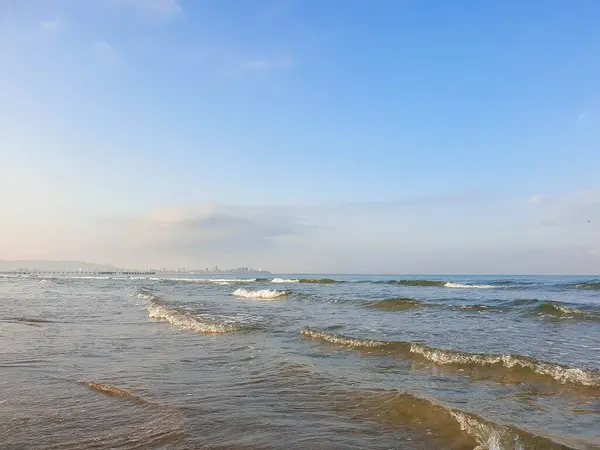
{"points": [[50, 26], [537, 198], [155, 9], [584, 117], [580, 209], [105, 51], [267, 65]]}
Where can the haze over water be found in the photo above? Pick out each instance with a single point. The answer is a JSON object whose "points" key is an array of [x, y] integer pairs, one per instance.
{"points": [[296, 361]]}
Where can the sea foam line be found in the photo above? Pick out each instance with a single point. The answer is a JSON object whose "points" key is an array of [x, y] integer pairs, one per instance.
{"points": [[284, 280], [200, 324], [186, 321], [265, 294], [471, 286], [561, 373]]}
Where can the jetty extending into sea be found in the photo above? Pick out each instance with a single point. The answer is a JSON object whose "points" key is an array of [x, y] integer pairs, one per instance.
{"points": [[71, 272]]}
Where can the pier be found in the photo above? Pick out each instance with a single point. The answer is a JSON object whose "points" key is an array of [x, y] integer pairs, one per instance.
{"points": [[67, 273]]}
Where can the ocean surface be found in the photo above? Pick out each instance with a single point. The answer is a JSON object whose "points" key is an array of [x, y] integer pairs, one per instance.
{"points": [[300, 362]]}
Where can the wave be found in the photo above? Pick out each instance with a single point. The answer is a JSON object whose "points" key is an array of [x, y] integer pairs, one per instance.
{"points": [[265, 294], [439, 424], [282, 280], [423, 283], [445, 426], [439, 283], [114, 391], [340, 339], [319, 280], [31, 321], [186, 321], [145, 295], [471, 286], [557, 309], [395, 304], [554, 309], [561, 373], [476, 307], [594, 285]]}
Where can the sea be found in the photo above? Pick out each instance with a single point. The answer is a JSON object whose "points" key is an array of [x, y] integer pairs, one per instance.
{"points": [[299, 362]]}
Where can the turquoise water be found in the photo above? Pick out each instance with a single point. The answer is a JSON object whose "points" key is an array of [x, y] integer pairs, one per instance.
{"points": [[307, 361]]}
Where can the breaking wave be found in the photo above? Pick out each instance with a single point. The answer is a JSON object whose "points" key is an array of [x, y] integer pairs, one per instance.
{"points": [[561, 373], [266, 294], [594, 285], [186, 321], [283, 280], [395, 304], [340, 339], [555, 309], [471, 286], [145, 295]]}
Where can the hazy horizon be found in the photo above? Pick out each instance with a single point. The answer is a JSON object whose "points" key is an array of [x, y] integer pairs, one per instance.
{"points": [[302, 137]]}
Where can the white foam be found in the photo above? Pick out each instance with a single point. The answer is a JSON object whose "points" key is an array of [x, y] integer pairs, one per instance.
{"points": [[282, 280], [266, 294], [487, 436], [146, 296], [560, 373], [187, 322], [470, 286]]}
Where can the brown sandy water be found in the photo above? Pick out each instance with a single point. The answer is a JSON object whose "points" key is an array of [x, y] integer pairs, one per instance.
{"points": [[350, 362]]}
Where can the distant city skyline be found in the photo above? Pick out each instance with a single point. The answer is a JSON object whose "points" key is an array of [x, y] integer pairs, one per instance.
{"points": [[82, 266], [302, 136]]}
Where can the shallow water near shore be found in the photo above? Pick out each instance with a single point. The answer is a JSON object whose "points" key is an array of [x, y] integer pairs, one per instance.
{"points": [[300, 361]]}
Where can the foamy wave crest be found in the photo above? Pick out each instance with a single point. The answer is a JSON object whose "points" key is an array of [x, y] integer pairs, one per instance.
{"points": [[266, 294], [185, 321], [563, 374], [595, 285], [487, 436], [283, 280], [555, 310], [560, 373], [471, 286], [340, 339], [143, 295]]}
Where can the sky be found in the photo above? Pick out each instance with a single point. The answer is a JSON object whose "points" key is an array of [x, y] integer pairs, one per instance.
{"points": [[306, 136]]}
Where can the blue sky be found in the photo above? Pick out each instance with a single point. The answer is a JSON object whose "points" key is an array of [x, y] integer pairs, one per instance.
{"points": [[361, 136]]}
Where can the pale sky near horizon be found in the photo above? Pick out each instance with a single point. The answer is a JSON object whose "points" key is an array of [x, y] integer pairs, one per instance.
{"points": [[302, 136]]}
